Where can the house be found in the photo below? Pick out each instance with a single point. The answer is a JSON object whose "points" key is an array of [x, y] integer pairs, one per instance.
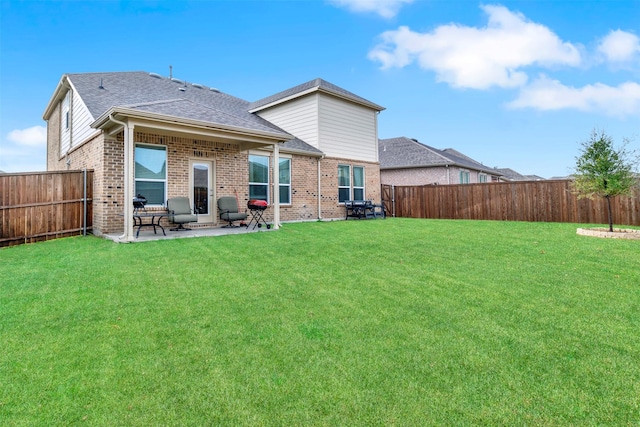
{"points": [[406, 161], [509, 174], [304, 150]]}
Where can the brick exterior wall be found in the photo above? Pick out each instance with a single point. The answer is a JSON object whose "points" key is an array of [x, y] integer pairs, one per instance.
{"points": [[104, 154], [331, 209], [427, 176]]}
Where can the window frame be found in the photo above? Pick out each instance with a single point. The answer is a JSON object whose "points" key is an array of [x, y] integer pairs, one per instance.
{"points": [[256, 183], [166, 171], [467, 176], [287, 186], [348, 186], [353, 180]]}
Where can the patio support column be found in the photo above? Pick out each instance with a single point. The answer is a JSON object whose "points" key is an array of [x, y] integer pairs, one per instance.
{"points": [[276, 186], [129, 183]]}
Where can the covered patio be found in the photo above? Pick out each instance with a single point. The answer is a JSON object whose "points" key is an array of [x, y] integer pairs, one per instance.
{"points": [[133, 124]]}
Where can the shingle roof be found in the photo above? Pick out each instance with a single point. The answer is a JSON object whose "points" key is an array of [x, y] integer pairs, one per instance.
{"points": [[402, 152], [102, 91], [317, 84], [512, 175], [153, 93]]}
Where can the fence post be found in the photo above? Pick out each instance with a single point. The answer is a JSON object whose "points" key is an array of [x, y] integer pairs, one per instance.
{"points": [[393, 201], [84, 202]]}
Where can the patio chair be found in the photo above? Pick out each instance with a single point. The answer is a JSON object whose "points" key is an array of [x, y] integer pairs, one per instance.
{"points": [[228, 209], [180, 212]]}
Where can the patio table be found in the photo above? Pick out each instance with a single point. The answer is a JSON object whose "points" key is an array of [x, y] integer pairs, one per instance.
{"points": [[155, 220]]}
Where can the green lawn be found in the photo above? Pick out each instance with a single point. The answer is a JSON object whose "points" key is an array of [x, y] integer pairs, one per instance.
{"points": [[389, 322]]}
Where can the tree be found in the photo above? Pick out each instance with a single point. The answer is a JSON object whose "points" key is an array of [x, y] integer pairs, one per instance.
{"points": [[603, 171]]}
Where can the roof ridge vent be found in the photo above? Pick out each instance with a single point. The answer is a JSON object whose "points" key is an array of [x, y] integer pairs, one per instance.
{"points": [[213, 89], [198, 85], [156, 75], [173, 79]]}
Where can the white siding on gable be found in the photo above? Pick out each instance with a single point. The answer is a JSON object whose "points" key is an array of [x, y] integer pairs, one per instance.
{"points": [[75, 121], [347, 130], [80, 121], [298, 117], [65, 119]]}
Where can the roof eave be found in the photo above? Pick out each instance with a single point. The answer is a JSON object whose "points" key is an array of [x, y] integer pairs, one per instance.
{"points": [[104, 119], [299, 151], [312, 90], [61, 89]]}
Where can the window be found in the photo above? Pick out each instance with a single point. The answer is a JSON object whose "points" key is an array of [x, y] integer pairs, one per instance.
{"points": [[151, 172], [259, 177], [344, 183], [285, 181], [358, 183], [482, 177], [350, 187], [464, 177]]}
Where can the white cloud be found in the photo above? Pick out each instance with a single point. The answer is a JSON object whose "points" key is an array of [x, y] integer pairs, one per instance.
{"points": [[33, 136], [620, 46], [479, 58], [384, 8], [547, 94], [25, 158]]}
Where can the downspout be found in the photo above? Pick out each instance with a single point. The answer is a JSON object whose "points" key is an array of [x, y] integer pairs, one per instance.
{"points": [[320, 189], [127, 235], [448, 174]]}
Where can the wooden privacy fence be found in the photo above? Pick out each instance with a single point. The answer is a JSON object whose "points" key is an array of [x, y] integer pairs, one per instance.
{"points": [[44, 205], [536, 201]]}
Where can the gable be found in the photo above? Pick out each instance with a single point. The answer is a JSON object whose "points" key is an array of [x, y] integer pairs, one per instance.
{"points": [[75, 121]]}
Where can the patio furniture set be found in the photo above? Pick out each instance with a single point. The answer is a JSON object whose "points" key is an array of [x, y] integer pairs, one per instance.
{"points": [[363, 209], [179, 212]]}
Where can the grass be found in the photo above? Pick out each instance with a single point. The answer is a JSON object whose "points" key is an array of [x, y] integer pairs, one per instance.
{"points": [[394, 322]]}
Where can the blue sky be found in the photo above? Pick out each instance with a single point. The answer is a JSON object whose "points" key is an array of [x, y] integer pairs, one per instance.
{"points": [[515, 84]]}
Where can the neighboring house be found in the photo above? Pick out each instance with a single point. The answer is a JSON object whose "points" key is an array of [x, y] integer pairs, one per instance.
{"points": [[406, 161], [511, 175], [309, 147]]}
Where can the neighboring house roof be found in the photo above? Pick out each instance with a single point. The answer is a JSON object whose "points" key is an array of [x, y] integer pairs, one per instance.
{"points": [[512, 175], [534, 178], [150, 93], [316, 85], [404, 153]]}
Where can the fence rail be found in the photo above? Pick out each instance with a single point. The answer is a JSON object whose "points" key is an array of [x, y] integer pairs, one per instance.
{"points": [[536, 201], [44, 205]]}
